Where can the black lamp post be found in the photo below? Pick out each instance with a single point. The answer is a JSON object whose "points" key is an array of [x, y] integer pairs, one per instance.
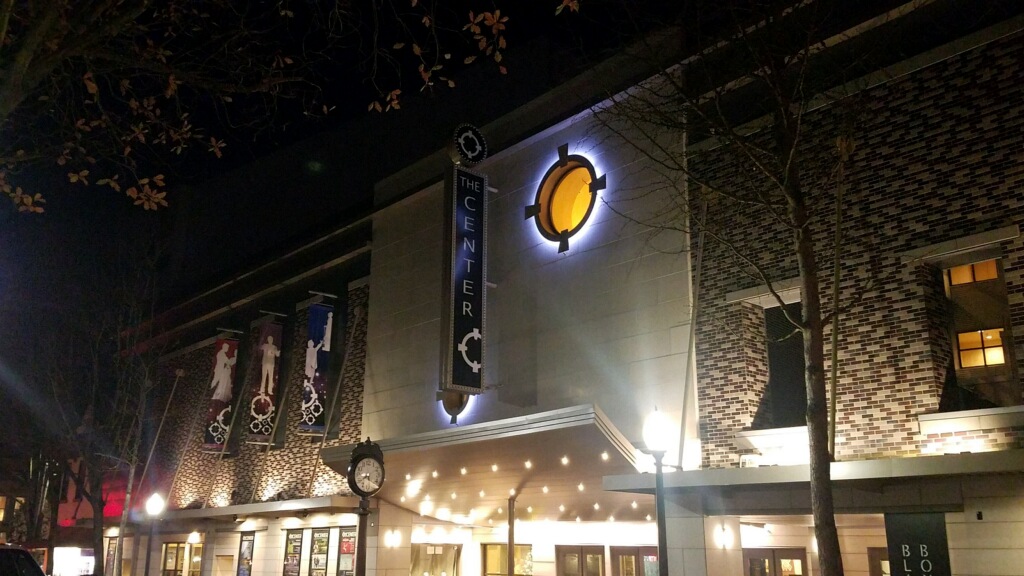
{"points": [[657, 429], [154, 507]]}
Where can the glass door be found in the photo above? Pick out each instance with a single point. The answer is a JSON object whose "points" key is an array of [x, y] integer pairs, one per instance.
{"points": [[174, 559], [579, 560], [634, 560], [774, 562]]}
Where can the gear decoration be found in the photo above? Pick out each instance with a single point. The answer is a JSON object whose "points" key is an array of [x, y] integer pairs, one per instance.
{"points": [[464, 348], [469, 143], [311, 406], [218, 429], [262, 411]]}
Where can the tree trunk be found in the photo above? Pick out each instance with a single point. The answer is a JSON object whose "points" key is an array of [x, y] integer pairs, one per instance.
{"points": [[822, 508], [97, 502]]}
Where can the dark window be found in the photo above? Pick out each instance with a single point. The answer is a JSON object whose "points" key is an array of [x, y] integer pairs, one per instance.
{"points": [[785, 400]]}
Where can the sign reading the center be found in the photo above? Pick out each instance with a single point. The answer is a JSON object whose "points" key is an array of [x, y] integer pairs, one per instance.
{"points": [[462, 366]]}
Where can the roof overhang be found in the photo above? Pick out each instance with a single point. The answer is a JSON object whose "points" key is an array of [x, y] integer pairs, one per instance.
{"points": [[273, 508], [862, 486], [466, 474]]}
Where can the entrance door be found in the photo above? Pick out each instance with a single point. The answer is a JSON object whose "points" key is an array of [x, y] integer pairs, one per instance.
{"points": [[634, 561], [774, 562], [579, 560]]}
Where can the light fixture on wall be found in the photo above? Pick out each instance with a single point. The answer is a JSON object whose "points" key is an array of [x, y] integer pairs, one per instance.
{"points": [[453, 403]]}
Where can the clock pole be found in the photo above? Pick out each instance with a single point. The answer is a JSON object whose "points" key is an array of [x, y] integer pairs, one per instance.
{"points": [[365, 478], [364, 513]]}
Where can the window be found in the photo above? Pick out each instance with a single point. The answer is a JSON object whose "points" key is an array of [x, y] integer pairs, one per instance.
{"points": [[496, 560], [976, 272], [784, 403], [195, 563], [435, 559], [981, 348], [579, 560], [174, 559], [982, 345]]}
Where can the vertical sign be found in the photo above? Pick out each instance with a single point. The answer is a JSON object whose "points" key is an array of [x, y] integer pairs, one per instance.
{"points": [[917, 544], [292, 552], [466, 234], [218, 412], [318, 552], [347, 551], [317, 358], [264, 386], [245, 553]]}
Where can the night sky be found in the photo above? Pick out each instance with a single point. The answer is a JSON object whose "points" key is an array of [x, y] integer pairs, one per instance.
{"points": [[271, 192]]}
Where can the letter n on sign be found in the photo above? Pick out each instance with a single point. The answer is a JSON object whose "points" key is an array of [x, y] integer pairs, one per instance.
{"points": [[462, 342]]}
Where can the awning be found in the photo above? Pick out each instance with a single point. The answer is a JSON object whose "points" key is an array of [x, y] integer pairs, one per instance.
{"points": [[552, 461]]}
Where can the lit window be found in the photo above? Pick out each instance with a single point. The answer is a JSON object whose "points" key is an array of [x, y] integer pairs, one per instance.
{"points": [[973, 272], [566, 197], [981, 348]]}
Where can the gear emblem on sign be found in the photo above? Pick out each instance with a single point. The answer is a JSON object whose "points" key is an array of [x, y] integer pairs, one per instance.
{"points": [[470, 145], [464, 348]]}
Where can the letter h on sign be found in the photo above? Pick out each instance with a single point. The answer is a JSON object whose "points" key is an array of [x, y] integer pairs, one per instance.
{"points": [[463, 340]]}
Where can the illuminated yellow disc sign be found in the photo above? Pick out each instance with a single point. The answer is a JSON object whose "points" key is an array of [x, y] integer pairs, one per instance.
{"points": [[565, 198]]}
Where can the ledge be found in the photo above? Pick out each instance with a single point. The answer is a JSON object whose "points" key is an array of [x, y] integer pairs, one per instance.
{"points": [[788, 290], [971, 420], [958, 245], [949, 465]]}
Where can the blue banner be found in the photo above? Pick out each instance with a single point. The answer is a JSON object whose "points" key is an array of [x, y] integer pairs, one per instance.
{"points": [[316, 364]]}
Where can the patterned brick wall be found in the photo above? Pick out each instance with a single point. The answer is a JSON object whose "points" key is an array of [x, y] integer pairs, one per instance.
{"points": [[938, 157], [251, 472]]}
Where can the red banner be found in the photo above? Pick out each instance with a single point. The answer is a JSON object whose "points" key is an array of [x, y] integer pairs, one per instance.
{"points": [[218, 414], [263, 389]]}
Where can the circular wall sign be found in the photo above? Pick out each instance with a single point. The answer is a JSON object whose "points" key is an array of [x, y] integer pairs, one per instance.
{"points": [[470, 144], [566, 197]]}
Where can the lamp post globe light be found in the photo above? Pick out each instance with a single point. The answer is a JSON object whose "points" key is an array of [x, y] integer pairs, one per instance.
{"points": [[656, 432], [154, 508]]}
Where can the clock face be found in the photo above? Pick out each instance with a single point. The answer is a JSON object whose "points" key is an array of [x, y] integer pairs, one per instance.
{"points": [[368, 476]]}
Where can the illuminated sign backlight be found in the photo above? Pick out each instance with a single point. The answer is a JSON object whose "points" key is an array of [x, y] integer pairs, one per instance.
{"points": [[565, 198]]}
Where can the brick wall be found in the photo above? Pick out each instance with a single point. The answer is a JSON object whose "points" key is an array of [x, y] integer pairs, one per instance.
{"points": [[252, 472], [938, 157]]}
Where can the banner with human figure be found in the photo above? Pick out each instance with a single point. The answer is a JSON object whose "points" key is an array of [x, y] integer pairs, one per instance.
{"points": [[218, 413], [314, 379], [263, 387]]}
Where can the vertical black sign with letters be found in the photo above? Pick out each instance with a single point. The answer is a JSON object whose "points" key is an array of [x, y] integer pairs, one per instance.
{"points": [[466, 236], [917, 544]]}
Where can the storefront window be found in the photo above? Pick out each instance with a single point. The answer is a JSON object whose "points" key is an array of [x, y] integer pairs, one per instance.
{"points": [[174, 559], [435, 560], [195, 560], [496, 560]]}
